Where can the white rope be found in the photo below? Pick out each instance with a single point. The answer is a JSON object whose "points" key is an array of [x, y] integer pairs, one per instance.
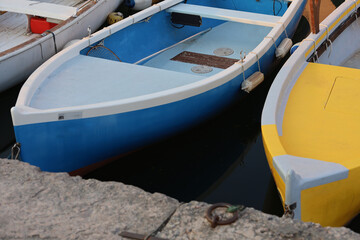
{"points": [[158, 5], [283, 26], [273, 41], [108, 28], [132, 18], [89, 31], [241, 61], [15, 151], [258, 61], [243, 69], [287, 36], [89, 35], [355, 9], [327, 30], [327, 38], [315, 52]]}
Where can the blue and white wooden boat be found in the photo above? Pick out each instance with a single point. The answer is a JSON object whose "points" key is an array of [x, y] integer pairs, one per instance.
{"points": [[146, 78]]}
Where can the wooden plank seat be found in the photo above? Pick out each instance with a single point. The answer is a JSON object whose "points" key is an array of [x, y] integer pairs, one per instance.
{"points": [[225, 14], [48, 10], [205, 59]]}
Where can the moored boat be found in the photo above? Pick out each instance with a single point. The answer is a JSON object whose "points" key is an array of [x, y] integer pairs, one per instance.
{"points": [[33, 31], [310, 123], [147, 77]]}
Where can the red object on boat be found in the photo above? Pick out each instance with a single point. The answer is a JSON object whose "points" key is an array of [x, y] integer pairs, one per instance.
{"points": [[40, 25]]}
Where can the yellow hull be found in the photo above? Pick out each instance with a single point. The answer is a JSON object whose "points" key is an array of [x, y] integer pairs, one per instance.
{"points": [[321, 121], [311, 131]]}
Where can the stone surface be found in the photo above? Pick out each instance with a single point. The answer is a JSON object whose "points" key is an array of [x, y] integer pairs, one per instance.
{"points": [[40, 205], [189, 223]]}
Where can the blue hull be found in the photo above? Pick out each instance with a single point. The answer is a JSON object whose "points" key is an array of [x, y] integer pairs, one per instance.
{"points": [[66, 146]]}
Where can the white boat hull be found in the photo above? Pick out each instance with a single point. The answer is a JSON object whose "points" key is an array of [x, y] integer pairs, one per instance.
{"points": [[19, 62]]}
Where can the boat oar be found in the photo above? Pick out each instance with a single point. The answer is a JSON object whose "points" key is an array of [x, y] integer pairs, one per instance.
{"points": [[314, 15], [182, 41]]}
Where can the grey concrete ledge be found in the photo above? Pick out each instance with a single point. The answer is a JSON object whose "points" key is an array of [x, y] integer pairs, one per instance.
{"points": [[42, 205]]}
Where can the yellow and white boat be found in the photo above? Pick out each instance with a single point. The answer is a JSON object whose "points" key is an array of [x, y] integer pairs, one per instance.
{"points": [[311, 123]]}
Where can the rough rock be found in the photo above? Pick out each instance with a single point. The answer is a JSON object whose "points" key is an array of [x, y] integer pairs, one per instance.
{"points": [[189, 223], [41, 205]]}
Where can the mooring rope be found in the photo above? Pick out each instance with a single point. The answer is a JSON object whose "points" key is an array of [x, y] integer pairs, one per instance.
{"points": [[315, 52], [53, 35], [258, 60]]}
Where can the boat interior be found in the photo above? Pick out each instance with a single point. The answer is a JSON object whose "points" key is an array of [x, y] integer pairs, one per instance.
{"points": [[14, 25], [324, 98], [161, 42], [174, 47], [353, 61], [340, 48]]}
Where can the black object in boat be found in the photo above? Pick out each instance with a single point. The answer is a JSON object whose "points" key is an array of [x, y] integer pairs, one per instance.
{"points": [[186, 19]]}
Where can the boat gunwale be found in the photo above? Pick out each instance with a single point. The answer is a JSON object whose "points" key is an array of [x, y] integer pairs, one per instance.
{"points": [[140, 102]]}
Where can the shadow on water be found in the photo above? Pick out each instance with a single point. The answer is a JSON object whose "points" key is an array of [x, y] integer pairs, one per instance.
{"points": [[7, 100]]}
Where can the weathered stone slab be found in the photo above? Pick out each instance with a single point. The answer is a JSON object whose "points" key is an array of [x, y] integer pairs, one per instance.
{"points": [[189, 222], [40, 205]]}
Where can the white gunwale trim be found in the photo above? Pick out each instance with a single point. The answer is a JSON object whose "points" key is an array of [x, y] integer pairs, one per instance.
{"points": [[142, 102]]}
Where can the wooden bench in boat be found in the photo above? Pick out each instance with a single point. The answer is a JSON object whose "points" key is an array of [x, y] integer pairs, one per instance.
{"points": [[53, 12], [204, 59], [225, 14]]}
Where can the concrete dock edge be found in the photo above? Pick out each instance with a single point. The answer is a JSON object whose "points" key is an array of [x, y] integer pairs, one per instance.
{"points": [[43, 205]]}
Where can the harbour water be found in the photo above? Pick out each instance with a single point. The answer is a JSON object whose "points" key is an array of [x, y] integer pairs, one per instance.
{"points": [[7, 138]]}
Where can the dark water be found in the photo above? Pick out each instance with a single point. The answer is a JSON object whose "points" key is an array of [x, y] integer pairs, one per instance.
{"points": [[221, 160], [7, 137]]}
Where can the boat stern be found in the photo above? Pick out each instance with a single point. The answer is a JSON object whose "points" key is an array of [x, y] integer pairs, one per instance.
{"points": [[302, 177], [311, 190]]}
